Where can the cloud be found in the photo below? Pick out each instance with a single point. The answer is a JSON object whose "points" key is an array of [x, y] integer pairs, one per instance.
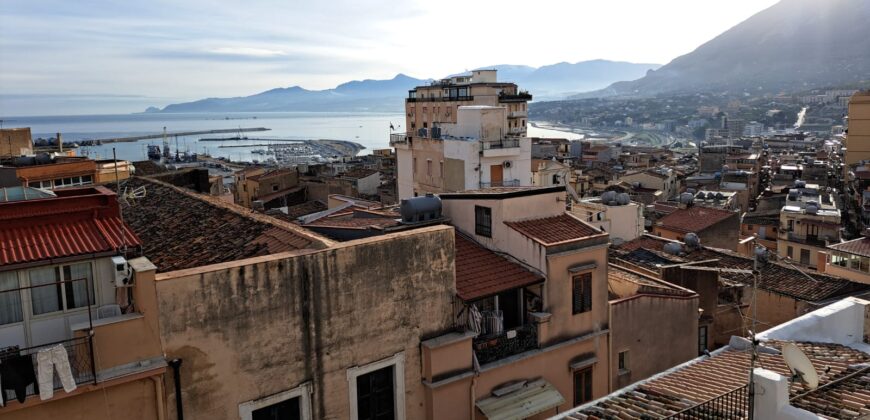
{"points": [[248, 52]]}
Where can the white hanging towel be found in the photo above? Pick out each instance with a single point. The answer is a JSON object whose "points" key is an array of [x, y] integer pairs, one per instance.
{"points": [[48, 360]]}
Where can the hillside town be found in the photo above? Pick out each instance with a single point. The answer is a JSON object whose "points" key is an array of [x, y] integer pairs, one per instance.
{"points": [[469, 271]]}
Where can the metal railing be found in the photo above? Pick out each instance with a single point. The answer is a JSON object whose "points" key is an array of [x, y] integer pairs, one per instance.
{"points": [[732, 405], [501, 144], [520, 96], [492, 347], [496, 184], [398, 138], [442, 99], [80, 352]]}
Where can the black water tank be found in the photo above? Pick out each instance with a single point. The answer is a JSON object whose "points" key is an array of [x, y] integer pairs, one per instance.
{"points": [[421, 209]]}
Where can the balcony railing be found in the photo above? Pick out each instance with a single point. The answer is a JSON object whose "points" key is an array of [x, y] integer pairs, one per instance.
{"points": [[516, 97], [501, 144], [496, 184], [80, 353], [492, 347], [518, 114], [733, 405], [807, 240], [442, 99], [398, 138]]}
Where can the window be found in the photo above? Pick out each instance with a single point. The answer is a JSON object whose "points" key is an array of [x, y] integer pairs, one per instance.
{"points": [[582, 386], [377, 390], [294, 404], [483, 221], [10, 298], [702, 339], [274, 188], [51, 293], [415, 165], [805, 257], [429, 167], [441, 168], [623, 360], [582, 293], [789, 251]]}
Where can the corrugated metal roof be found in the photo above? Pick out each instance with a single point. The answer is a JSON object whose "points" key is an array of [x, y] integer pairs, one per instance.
{"points": [[63, 238], [533, 398]]}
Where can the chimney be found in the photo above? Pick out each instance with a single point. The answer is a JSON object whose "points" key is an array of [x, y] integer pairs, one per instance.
{"points": [[59, 143]]}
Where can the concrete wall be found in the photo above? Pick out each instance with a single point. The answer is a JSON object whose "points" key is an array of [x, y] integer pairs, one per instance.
{"points": [[256, 327], [725, 234], [15, 142], [659, 332]]}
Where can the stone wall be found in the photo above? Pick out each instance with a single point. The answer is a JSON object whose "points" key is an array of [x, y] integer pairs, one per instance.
{"points": [[253, 328]]}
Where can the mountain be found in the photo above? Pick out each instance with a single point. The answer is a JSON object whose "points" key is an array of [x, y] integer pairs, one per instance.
{"points": [[793, 45], [365, 95], [548, 82]]}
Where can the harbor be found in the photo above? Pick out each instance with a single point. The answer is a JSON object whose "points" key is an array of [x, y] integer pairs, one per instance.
{"points": [[92, 142]]}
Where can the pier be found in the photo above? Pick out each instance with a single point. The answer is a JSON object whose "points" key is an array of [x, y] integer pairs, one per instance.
{"points": [[171, 134]]}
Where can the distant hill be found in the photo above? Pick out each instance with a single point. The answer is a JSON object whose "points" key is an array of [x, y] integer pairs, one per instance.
{"points": [[548, 82], [365, 95], [793, 45]]}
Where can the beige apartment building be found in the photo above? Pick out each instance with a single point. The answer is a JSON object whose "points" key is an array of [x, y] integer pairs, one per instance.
{"points": [[858, 137], [466, 132], [264, 185], [809, 221]]}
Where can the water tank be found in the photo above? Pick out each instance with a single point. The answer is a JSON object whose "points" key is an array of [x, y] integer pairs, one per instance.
{"points": [[623, 199], [800, 184], [691, 191], [692, 240], [421, 209], [701, 195], [687, 198], [673, 248], [720, 196], [793, 195], [608, 196], [711, 195]]}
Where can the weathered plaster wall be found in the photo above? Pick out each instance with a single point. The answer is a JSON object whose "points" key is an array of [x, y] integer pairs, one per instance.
{"points": [[253, 328]]}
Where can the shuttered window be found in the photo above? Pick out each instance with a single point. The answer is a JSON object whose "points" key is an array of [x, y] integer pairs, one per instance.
{"points": [[483, 221], [582, 293]]}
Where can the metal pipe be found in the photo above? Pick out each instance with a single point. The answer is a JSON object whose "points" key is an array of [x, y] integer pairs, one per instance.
{"points": [[176, 370], [158, 394]]}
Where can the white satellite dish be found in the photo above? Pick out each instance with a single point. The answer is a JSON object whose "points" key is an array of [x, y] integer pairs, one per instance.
{"points": [[800, 365]]}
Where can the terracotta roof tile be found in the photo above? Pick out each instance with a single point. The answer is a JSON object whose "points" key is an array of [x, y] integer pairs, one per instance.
{"points": [[693, 219], [555, 229], [182, 230], [708, 377], [646, 251], [481, 272], [860, 246]]}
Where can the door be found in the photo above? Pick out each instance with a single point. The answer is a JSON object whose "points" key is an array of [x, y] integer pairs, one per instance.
{"points": [[496, 175]]}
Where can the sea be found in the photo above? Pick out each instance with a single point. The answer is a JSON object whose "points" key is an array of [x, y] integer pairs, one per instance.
{"points": [[371, 130]]}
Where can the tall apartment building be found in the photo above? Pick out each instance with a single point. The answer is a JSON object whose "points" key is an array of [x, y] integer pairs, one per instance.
{"points": [[809, 221], [465, 132], [858, 136]]}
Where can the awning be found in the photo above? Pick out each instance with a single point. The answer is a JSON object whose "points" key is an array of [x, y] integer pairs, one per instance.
{"points": [[533, 398]]}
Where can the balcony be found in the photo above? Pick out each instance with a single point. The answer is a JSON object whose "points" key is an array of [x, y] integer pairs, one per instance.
{"points": [[496, 346], [503, 147], [505, 183], [515, 97], [518, 114], [79, 350], [811, 240], [398, 138], [442, 99]]}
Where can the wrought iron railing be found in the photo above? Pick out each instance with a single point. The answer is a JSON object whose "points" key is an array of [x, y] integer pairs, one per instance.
{"points": [[398, 138], [80, 354], [732, 405], [492, 347]]}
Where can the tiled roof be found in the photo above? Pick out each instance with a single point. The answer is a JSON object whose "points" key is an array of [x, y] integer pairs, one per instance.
{"points": [[481, 272], [80, 221], [182, 230], [646, 251], [272, 173], [278, 194], [305, 208], [708, 377], [860, 246], [63, 237], [555, 229], [354, 222], [148, 167], [693, 219]]}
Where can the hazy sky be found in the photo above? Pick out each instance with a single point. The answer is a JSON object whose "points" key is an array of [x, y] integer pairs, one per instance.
{"points": [[158, 52]]}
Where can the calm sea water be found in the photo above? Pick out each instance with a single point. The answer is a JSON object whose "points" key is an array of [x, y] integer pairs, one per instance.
{"points": [[371, 130]]}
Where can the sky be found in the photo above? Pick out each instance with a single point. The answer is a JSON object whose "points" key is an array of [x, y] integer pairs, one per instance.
{"points": [[58, 54]]}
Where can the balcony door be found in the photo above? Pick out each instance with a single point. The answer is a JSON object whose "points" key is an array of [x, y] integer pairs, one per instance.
{"points": [[496, 175]]}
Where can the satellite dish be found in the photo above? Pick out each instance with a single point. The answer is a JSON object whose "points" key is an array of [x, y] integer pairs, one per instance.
{"points": [[800, 366]]}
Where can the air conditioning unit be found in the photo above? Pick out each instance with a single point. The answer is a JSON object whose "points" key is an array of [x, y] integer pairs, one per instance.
{"points": [[507, 164], [123, 272]]}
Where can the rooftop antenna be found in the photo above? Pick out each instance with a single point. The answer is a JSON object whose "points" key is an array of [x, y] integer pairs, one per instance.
{"points": [[800, 366]]}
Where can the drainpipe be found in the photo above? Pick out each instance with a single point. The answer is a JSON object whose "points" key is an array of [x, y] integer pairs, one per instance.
{"points": [[158, 392], [473, 386], [176, 368]]}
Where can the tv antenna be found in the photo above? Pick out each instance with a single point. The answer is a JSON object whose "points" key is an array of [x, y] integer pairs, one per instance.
{"points": [[800, 366]]}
